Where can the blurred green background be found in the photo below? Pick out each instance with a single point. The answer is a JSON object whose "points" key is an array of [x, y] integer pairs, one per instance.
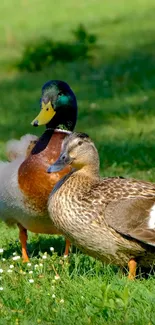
{"points": [[116, 100]]}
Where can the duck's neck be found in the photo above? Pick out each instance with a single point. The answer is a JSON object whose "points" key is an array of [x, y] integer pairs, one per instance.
{"points": [[91, 171], [43, 141]]}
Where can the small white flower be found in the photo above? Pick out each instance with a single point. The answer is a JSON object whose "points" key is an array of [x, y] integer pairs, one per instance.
{"points": [[52, 249], [44, 257], [40, 264], [57, 277], [31, 280], [1, 250], [53, 296], [14, 254], [65, 256], [15, 258], [36, 266], [1, 271], [30, 272], [11, 266], [3, 259], [9, 271], [28, 264], [1, 288], [62, 301]]}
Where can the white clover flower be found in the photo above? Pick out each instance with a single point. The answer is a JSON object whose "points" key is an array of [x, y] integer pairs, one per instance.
{"points": [[14, 254], [53, 296], [40, 264], [44, 257], [11, 266], [30, 272], [1, 288], [1, 271], [3, 259], [57, 277], [36, 266], [1, 250], [31, 280], [62, 301], [15, 258], [9, 271], [52, 249], [28, 264], [65, 256]]}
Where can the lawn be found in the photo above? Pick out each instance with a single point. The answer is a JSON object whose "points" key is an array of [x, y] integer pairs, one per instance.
{"points": [[115, 93]]}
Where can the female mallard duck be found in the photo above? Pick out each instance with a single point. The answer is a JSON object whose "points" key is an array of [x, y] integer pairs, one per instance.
{"points": [[112, 219], [24, 183]]}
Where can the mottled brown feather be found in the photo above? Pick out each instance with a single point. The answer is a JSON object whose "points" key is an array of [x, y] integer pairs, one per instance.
{"points": [[107, 218]]}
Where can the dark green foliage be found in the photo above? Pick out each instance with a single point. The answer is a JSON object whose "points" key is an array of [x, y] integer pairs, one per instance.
{"points": [[44, 52], [36, 56]]}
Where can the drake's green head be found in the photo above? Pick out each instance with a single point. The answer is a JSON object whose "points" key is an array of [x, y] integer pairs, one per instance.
{"points": [[58, 106]]}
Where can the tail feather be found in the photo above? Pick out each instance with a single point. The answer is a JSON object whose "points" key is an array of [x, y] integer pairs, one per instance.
{"points": [[3, 164], [18, 148]]}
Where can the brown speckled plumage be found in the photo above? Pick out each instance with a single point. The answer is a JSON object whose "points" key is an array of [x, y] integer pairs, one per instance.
{"points": [[105, 217]]}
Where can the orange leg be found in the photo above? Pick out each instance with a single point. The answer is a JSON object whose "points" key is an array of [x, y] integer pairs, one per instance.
{"points": [[132, 269], [68, 243], [23, 241]]}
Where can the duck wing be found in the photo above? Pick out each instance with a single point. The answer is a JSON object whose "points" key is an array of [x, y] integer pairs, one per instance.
{"points": [[131, 212], [134, 218]]}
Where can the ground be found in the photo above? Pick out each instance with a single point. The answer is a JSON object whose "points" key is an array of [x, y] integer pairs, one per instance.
{"points": [[115, 93]]}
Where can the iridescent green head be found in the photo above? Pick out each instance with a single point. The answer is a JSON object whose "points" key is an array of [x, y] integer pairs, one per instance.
{"points": [[58, 106]]}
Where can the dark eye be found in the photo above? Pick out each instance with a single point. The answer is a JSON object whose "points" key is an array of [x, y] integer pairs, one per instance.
{"points": [[47, 109], [60, 94], [79, 143]]}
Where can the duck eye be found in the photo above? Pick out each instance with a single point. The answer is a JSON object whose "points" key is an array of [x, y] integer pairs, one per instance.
{"points": [[79, 143], [47, 109], [60, 94]]}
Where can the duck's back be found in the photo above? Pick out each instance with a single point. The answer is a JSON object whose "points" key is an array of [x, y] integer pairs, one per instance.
{"points": [[34, 181]]}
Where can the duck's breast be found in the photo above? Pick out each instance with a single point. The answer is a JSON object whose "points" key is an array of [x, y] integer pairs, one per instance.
{"points": [[34, 181]]}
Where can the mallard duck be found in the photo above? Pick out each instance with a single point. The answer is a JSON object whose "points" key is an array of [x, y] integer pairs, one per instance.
{"points": [[24, 183], [113, 218]]}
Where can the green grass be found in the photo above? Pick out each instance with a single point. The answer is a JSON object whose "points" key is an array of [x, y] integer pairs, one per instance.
{"points": [[116, 102]]}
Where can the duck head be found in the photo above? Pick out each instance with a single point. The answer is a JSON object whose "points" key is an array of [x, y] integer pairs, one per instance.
{"points": [[58, 106], [79, 151]]}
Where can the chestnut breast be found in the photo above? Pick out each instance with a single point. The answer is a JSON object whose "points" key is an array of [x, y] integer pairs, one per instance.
{"points": [[34, 181]]}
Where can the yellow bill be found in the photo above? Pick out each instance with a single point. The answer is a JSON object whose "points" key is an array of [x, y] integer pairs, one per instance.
{"points": [[45, 116]]}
